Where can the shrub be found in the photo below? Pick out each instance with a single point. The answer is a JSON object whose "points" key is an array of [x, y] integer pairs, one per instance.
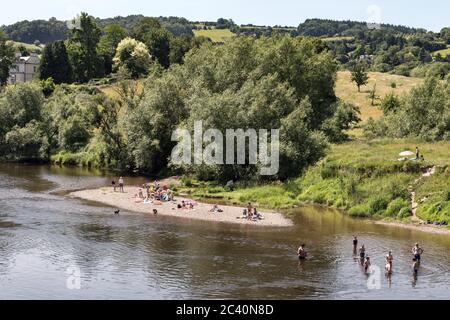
{"points": [[378, 204], [395, 206], [359, 211], [393, 85], [404, 213]]}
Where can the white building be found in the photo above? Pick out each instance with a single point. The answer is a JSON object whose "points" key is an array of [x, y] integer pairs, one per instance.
{"points": [[25, 68]]}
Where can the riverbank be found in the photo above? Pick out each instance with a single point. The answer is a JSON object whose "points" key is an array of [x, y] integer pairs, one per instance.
{"points": [[126, 201]]}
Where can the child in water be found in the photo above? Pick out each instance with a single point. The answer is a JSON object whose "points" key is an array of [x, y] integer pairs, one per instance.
{"points": [[366, 264]]}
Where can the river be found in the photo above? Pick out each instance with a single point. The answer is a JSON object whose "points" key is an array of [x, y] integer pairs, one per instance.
{"points": [[56, 247]]}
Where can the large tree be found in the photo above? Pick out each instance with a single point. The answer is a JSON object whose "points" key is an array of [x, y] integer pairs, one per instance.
{"points": [[6, 58], [133, 57], [55, 63], [86, 61], [112, 35], [156, 38]]}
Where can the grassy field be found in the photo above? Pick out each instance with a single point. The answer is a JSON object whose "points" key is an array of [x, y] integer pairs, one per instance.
{"points": [[347, 90], [333, 39], [443, 52], [30, 47], [216, 35]]}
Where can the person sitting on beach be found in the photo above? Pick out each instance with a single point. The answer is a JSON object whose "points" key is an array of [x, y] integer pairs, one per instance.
{"points": [[155, 211], [191, 206], [256, 214], [302, 253], [141, 194], [183, 205], [215, 209]]}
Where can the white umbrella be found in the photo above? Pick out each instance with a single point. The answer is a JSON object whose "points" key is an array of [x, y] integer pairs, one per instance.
{"points": [[406, 154]]}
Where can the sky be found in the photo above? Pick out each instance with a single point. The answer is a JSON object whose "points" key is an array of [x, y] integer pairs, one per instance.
{"points": [[430, 14]]}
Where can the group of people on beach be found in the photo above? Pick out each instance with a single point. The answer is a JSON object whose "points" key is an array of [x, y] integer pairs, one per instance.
{"points": [[416, 251], [251, 213]]}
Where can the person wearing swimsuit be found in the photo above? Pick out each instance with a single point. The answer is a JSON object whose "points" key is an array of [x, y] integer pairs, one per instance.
{"points": [[366, 264], [302, 254], [417, 252]]}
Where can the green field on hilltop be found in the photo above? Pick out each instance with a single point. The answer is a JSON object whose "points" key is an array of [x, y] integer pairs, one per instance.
{"points": [[216, 35]]}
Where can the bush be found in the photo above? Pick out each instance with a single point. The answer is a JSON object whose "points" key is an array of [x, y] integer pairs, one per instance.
{"points": [[393, 85], [395, 207], [377, 205], [404, 213], [360, 211]]}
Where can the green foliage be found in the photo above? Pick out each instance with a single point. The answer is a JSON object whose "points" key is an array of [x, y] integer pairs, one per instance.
{"points": [[6, 58], [133, 57], [396, 206], [424, 113], [359, 74], [48, 87], [55, 63], [41, 30], [83, 50], [360, 211], [390, 103]]}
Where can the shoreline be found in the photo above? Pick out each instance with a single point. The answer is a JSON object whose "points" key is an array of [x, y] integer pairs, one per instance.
{"points": [[413, 226], [126, 201]]}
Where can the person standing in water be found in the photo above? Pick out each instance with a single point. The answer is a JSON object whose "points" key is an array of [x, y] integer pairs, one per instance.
{"points": [[417, 252], [362, 252], [355, 246], [389, 258], [302, 254], [366, 264]]}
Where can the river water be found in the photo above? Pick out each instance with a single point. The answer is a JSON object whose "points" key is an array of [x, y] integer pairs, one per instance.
{"points": [[56, 247]]}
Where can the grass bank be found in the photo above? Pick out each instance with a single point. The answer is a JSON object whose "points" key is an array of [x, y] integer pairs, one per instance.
{"points": [[363, 178]]}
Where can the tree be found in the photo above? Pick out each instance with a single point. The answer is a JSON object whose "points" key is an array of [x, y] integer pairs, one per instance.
{"points": [[133, 56], [360, 75], [373, 95], [144, 26], [158, 43], [390, 103], [112, 35], [7, 56], [85, 59], [156, 38], [55, 63]]}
